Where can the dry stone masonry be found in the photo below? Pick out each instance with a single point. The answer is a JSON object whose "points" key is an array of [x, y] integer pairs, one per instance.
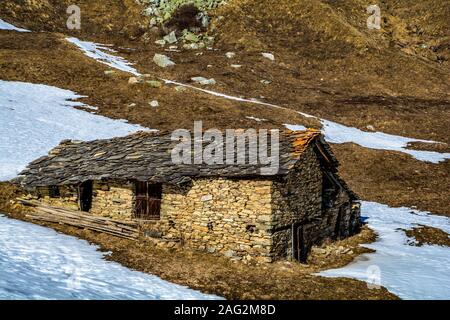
{"points": [[225, 210]]}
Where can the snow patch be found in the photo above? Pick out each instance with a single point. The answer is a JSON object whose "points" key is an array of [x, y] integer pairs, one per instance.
{"points": [[408, 271], [34, 118], [256, 119], [334, 132], [221, 95], [295, 127], [39, 263], [97, 52], [338, 133], [7, 26]]}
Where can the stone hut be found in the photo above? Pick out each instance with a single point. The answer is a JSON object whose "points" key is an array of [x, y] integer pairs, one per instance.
{"points": [[228, 209]]}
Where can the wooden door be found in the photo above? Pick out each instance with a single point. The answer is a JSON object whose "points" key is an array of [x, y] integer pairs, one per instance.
{"points": [[148, 201], [300, 247]]}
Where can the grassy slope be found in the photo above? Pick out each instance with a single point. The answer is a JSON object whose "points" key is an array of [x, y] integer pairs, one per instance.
{"points": [[327, 63]]}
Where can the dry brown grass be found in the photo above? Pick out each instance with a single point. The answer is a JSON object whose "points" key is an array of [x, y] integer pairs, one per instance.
{"points": [[235, 280], [395, 178], [428, 235], [348, 93]]}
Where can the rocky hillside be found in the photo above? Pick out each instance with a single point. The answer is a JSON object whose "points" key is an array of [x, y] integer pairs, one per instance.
{"points": [[326, 62]]}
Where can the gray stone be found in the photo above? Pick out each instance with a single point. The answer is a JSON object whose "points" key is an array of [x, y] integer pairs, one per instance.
{"points": [[269, 56], [190, 37], [154, 83], [162, 61], [171, 38], [133, 80], [154, 104], [203, 81], [180, 88], [229, 253], [230, 55]]}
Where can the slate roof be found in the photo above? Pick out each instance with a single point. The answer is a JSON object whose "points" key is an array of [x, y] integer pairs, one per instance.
{"points": [[146, 156]]}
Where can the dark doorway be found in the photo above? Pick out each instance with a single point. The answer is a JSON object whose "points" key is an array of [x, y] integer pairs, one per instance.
{"points": [[85, 194], [300, 247], [148, 201], [330, 190]]}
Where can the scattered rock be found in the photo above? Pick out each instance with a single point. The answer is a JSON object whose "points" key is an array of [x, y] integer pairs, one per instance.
{"points": [[161, 42], [266, 82], [191, 46], [190, 37], [209, 40], [133, 80], [154, 104], [153, 23], [162, 61], [173, 48], [109, 72], [269, 56], [203, 81], [211, 249], [180, 88], [229, 253], [154, 83], [171, 38], [230, 55]]}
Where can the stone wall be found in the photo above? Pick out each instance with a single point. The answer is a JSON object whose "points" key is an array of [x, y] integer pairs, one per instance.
{"points": [[68, 197], [297, 198], [241, 219], [113, 200], [228, 217]]}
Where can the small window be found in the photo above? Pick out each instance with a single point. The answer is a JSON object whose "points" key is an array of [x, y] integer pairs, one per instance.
{"points": [[148, 201], [53, 192]]}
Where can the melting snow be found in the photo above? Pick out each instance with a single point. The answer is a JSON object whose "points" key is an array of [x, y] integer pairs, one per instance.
{"points": [[39, 263], [34, 118], [295, 127], [256, 119], [338, 133], [334, 132], [96, 51], [411, 272], [6, 26]]}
